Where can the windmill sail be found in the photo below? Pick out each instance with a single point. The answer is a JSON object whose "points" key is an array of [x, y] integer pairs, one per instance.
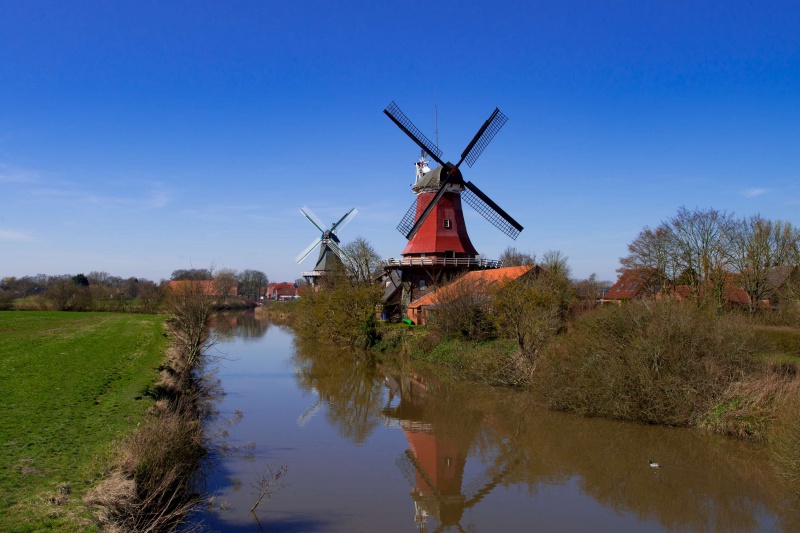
{"points": [[484, 136], [327, 241], [491, 211], [410, 223], [402, 121]]}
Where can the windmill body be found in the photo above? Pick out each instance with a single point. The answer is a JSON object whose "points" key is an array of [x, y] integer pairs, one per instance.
{"points": [[444, 232], [330, 253], [439, 247]]}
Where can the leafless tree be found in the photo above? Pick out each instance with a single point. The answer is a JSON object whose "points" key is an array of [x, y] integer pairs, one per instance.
{"points": [[757, 247], [513, 257], [250, 283], [224, 282], [191, 305], [653, 252], [362, 263], [700, 241]]}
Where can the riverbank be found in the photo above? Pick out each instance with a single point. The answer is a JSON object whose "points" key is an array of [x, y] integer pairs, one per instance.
{"points": [[666, 363], [73, 384]]}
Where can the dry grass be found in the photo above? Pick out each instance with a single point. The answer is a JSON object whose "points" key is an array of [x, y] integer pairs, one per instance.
{"points": [[749, 407], [785, 441]]}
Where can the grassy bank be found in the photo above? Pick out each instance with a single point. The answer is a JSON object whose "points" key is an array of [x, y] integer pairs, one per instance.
{"points": [[72, 384]]}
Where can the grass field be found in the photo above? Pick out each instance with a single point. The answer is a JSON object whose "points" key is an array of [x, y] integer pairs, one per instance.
{"points": [[70, 385]]}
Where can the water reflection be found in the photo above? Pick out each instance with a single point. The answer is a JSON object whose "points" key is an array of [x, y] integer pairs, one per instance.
{"points": [[240, 324], [351, 391], [374, 449], [705, 482], [434, 463]]}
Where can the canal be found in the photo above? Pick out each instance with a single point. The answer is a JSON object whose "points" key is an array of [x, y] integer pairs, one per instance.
{"points": [[369, 450]]}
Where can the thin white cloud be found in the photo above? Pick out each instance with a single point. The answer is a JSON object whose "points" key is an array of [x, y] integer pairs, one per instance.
{"points": [[12, 175], [155, 200], [753, 192], [16, 236]]}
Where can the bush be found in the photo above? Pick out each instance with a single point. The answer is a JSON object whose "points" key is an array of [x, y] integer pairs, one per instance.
{"points": [[339, 313], [6, 300], [663, 362]]}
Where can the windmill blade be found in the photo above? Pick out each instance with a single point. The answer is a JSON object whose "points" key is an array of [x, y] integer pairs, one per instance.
{"points": [[309, 413], [407, 222], [345, 220], [402, 121], [313, 219], [336, 249], [308, 250], [474, 495], [429, 208], [483, 137], [491, 211]]}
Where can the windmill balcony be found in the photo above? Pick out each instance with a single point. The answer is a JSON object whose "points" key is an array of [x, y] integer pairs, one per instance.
{"points": [[443, 261]]}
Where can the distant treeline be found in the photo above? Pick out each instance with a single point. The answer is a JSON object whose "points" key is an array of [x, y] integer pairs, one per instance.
{"points": [[101, 291]]}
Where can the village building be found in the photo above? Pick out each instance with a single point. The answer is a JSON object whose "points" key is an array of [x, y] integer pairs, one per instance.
{"points": [[631, 285], [282, 292], [207, 286], [478, 283]]}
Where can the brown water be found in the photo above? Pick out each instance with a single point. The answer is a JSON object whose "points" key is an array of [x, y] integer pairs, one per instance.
{"points": [[371, 451]]}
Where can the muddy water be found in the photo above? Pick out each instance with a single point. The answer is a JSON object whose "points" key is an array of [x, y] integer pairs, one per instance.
{"points": [[368, 450]]}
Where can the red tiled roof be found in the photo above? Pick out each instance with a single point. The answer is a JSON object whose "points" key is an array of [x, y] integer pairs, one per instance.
{"points": [[493, 276], [206, 284], [629, 285], [281, 289]]}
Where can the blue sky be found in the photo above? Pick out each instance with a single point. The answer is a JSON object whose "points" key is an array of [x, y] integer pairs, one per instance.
{"points": [[143, 137]]}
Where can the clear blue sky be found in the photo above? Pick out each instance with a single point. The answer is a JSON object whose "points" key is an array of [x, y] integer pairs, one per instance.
{"points": [[143, 137]]}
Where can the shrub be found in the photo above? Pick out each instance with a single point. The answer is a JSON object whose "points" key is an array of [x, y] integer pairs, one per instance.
{"points": [[6, 300], [663, 362], [339, 313]]}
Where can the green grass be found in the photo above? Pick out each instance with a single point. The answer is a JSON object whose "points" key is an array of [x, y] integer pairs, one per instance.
{"points": [[778, 344], [70, 385]]}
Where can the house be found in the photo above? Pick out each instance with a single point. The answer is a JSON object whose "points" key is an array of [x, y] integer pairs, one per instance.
{"points": [[477, 283], [631, 285], [207, 286], [281, 292]]}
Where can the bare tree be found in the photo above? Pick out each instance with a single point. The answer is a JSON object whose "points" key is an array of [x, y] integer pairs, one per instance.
{"points": [[224, 282], [653, 252], [513, 257], [699, 238], [250, 283], [362, 263], [757, 246], [151, 296], [191, 304]]}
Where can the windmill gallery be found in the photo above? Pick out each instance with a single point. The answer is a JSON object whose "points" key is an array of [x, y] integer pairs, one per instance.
{"points": [[439, 247]]}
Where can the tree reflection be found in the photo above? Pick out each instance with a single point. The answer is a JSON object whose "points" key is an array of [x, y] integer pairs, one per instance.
{"points": [[240, 324], [506, 439], [348, 385]]}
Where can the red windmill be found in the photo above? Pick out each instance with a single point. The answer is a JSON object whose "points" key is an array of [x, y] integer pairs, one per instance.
{"points": [[438, 242]]}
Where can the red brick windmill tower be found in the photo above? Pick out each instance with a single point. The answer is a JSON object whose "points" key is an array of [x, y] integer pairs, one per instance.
{"points": [[438, 244]]}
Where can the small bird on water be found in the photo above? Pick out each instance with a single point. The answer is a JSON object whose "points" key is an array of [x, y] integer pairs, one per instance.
{"points": [[654, 465]]}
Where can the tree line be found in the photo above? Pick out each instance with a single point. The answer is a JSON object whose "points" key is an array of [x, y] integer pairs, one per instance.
{"points": [[708, 249], [101, 291]]}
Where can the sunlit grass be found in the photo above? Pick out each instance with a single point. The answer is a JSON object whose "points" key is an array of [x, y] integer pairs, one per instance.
{"points": [[70, 384]]}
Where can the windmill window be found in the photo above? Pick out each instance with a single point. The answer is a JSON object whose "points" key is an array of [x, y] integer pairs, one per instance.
{"points": [[447, 223], [422, 284]]}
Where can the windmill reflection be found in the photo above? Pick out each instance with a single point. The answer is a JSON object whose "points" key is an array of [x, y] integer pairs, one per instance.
{"points": [[435, 461]]}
